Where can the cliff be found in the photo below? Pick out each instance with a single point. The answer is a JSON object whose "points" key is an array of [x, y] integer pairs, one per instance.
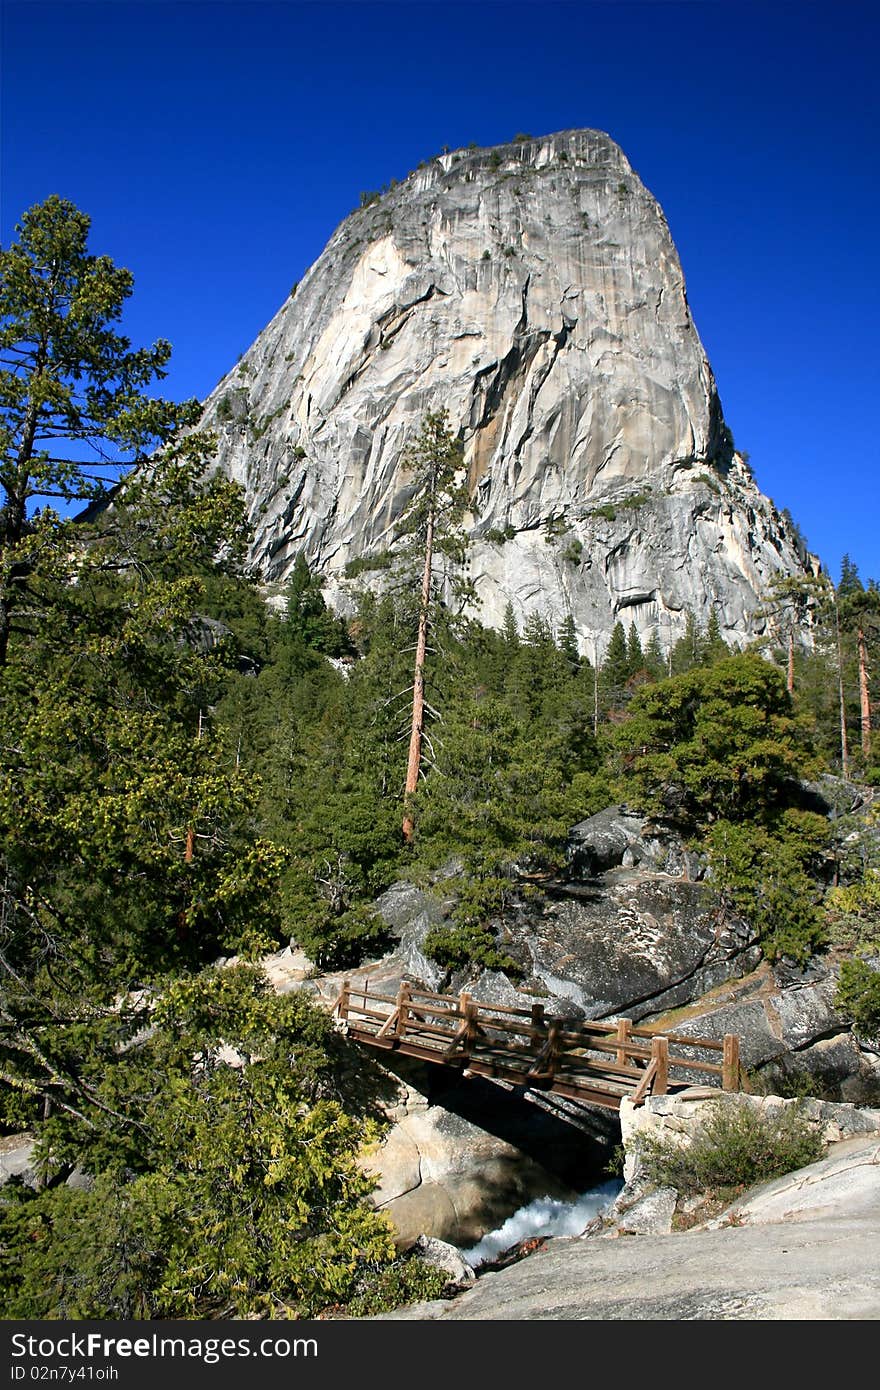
{"points": [[534, 292]]}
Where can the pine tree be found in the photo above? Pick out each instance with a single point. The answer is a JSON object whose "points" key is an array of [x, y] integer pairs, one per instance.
{"points": [[433, 524], [568, 643], [860, 622], [308, 622], [685, 655], [635, 659], [850, 583], [655, 660], [72, 390], [713, 646], [509, 629], [615, 668]]}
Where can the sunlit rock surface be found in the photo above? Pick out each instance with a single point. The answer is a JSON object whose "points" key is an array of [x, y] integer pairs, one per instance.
{"points": [[535, 293]]}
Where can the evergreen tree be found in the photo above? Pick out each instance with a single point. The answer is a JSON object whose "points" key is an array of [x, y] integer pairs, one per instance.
{"points": [[859, 611], [615, 670], [433, 523], [686, 652], [72, 390], [850, 583], [509, 629], [713, 647], [308, 622], [127, 842], [655, 659], [536, 670], [717, 742], [635, 659], [227, 1181], [568, 643]]}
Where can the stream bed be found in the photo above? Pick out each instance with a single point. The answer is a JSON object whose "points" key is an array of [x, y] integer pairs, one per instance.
{"points": [[544, 1216]]}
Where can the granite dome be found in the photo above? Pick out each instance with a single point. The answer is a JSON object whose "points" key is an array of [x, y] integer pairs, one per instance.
{"points": [[534, 292]]}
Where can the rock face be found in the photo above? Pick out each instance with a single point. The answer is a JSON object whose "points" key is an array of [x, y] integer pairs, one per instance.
{"points": [[678, 1118], [627, 930], [803, 1247], [534, 292], [458, 1165]]}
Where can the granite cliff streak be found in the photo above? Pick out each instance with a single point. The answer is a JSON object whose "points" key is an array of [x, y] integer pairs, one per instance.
{"points": [[534, 292]]}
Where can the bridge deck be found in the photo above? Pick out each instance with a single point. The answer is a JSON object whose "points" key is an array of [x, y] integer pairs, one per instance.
{"points": [[595, 1062]]}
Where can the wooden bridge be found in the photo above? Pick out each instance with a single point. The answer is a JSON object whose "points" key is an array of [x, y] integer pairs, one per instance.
{"points": [[584, 1060]]}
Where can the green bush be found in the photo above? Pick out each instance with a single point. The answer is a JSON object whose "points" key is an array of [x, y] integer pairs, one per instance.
{"points": [[457, 947], [636, 500], [468, 939], [407, 1280], [497, 535], [736, 1145], [858, 996], [381, 560], [573, 553]]}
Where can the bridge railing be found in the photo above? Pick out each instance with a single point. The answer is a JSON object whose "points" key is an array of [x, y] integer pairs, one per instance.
{"points": [[539, 1049]]}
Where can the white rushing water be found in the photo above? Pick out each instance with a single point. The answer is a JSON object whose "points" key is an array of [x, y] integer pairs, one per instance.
{"points": [[545, 1216]]}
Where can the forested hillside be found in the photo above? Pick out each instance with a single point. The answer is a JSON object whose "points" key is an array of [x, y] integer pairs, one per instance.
{"points": [[196, 769]]}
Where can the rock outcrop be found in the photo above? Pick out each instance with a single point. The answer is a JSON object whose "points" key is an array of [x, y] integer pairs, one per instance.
{"points": [[461, 1155], [802, 1247], [534, 292]]}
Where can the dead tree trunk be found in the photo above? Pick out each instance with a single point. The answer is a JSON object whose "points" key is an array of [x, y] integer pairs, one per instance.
{"points": [[864, 695], [844, 743]]}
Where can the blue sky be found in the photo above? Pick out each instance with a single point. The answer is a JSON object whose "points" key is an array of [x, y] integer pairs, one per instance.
{"points": [[217, 145]]}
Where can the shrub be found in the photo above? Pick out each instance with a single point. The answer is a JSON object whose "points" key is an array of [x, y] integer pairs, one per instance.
{"points": [[737, 1144], [457, 947], [858, 996], [407, 1280], [381, 560], [573, 553], [497, 535], [636, 500]]}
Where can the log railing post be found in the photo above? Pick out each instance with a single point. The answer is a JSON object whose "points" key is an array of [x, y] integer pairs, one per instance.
{"points": [[624, 1033], [463, 1000], [403, 997], [660, 1055], [344, 1001], [537, 1039], [553, 1046], [471, 1012], [730, 1063]]}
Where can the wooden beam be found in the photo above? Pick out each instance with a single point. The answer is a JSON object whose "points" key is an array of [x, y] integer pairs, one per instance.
{"points": [[403, 997], [730, 1067], [624, 1034], [641, 1090], [389, 1024], [340, 1008], [660, 1056]]}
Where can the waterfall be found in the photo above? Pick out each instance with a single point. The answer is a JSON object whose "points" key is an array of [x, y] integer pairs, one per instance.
{"points": [[545, 1216]]}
